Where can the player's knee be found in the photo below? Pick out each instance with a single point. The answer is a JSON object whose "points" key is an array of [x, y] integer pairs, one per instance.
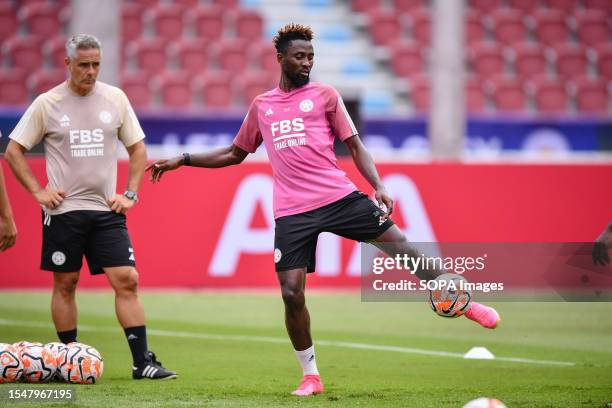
{"points": [[293, 298], [128, 284], [65, 285]]}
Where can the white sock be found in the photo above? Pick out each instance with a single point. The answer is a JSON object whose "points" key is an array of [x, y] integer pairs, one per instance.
{"points": [[307, 361]]}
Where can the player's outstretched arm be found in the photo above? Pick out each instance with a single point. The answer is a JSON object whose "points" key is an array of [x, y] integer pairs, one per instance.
{"points": [[15, 157], [601, 246], [364, 162], [8, 230], [220, 157]]}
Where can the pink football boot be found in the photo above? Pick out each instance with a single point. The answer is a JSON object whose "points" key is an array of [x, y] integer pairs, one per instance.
{"points": [[310, 385], [484, 315]]}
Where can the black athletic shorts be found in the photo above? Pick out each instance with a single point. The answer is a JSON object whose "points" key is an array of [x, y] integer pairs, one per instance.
{"points": [[101, 236], [295, 239]]}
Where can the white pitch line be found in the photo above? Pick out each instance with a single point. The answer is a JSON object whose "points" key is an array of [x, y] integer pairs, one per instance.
{"points": [[280, 340]]}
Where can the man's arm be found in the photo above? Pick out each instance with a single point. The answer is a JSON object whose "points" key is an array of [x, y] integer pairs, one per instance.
{"points": [[215, 158], [138, 161], [8, 230], [364, 162], [601, 246], [15, 157]]}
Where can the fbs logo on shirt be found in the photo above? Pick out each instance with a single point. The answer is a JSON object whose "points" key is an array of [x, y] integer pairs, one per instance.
{"points": [[288, 133], [86, 142]]}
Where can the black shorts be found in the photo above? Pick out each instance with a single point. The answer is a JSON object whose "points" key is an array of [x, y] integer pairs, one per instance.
{"points": [[101, 236], [354, 217]]}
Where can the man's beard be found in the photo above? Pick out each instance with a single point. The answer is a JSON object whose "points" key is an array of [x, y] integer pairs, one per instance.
{"points": [[297, 79]]}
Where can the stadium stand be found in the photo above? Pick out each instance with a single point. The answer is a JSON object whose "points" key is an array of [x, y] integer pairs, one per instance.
{"points": [[516, 50]]}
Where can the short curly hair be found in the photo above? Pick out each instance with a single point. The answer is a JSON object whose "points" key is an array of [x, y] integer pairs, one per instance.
{"points": [[289, 33]]}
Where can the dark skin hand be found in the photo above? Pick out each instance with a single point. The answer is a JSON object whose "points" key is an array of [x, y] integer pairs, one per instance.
{"points": [[221, 157], [602, 244]]}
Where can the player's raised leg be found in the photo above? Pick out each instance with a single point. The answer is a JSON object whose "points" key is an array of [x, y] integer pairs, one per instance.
{"points": [[63, 305], [130, 313], [297, 320], [393, 242]]}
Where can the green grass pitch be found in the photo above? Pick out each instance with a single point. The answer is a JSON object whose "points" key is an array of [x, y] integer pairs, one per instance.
{"points": [[231, 349]]}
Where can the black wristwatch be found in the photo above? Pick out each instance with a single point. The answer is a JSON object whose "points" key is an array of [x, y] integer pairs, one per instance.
{"points": [[131, 195], [186, 159]]}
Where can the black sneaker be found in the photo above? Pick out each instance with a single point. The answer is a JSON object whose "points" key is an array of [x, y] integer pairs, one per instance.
{"points": [[152, 369]]}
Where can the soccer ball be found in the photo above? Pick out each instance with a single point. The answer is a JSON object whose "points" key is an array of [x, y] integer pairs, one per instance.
{"points": [[39, 364], [81, 364], [21, 344], [58, 350], [11, 367], [485, 403], [448, 297]]}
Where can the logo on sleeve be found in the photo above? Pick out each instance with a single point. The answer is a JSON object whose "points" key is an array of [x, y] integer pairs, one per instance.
{"points": [[306, 105], [269, 112]]}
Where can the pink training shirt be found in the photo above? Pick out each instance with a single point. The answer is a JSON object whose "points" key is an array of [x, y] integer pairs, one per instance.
{"points": [[298, 129]]}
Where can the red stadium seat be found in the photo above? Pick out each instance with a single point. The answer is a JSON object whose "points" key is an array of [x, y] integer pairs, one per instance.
{"points": [[149, 53], [550, 26], [227, 4], [486, 6], [8, 20], [45, 79], [384, 26], [421, 25], [131, 21], [474, 29], [525, 6], [408, 6], [475, 96], [567, 6], [43, 19], [419, 92], [136, 86], [604, 60], [232, 55], [208, 22], [24, 52], [406, 58], [55, 51], [249, 24], [529, 59], [263, 54], [12, 89], [571, 60], [365, 6], [215, 89], [254, 83], [591, 95], [592, 27], [550, 95], [187, 3], [174, 89], [508, 26], [508, 93], [167, 19], [603, 5], [486, 59], [191, 53]]}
